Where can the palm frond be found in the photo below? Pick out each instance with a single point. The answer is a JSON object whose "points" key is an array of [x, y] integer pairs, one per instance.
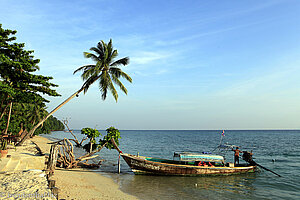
{"points": [[89, 82], [90, 55], [109, 49], [115, 71], [119, 73], [119, 83], [122, 61], [126, 76], [98, 51], [87, 74], [114, 55], [101, 48], [105, 57], [103, 84], [83, 68], [113, 89]]}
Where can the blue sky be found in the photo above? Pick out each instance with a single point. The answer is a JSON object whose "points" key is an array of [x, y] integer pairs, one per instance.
{"points": [[194, 64]]}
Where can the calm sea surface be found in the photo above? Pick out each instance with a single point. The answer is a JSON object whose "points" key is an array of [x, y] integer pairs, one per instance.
{"points": [[283, 146]]}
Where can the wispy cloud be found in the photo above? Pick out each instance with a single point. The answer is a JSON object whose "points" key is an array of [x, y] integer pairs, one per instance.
{"points": [[148, 57], [181, 40]]}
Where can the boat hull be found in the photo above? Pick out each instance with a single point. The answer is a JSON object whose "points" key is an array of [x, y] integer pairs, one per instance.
{"points": [[140, 165]]}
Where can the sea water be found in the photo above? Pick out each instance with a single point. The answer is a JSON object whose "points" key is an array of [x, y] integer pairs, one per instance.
{"points": [[277, 150]]}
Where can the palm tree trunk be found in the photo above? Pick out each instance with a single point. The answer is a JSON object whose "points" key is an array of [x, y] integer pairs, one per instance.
{"points": [[45, 118], [32, 125], [8, 120], [2, 114]]}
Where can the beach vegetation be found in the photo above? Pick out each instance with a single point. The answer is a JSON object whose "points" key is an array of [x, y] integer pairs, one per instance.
{"points": [[92, 134], [112, 133]]}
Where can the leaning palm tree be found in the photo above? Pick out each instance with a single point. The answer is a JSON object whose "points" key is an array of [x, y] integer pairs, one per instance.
{"points": [[106, 71]]}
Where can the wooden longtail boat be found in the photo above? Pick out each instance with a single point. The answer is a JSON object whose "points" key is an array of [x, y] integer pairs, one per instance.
{"points": [[189, 167], [186, 164]]}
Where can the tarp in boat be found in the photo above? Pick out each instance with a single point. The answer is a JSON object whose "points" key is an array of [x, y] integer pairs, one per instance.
{"points": [[186, 156]]}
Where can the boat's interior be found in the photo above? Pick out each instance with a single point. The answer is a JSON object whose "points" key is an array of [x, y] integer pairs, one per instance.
{"points": [[192, 162]]}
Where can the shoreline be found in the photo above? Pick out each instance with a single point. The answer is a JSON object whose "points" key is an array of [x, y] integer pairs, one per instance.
{"points": [[82, 183]]}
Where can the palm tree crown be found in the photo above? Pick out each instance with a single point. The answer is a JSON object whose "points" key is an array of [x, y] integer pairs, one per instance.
{"points": [[105, 70]]}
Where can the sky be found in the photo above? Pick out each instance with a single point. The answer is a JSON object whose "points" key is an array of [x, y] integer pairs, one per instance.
{"points": [[194, 64]]}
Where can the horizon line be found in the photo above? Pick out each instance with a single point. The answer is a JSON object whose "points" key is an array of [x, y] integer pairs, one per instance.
{"points": [[286, 129]]}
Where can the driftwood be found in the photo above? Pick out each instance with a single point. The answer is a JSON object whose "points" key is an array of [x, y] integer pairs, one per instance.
{"points": [[92, 153], [55, 191], [51, 183], [56, 142], [86, 165], [79, 144], [88, 158], [66, 157], [52, 159]]}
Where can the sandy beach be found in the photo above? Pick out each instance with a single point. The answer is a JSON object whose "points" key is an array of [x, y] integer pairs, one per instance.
{"points": [[29, 184], [81, 183]]}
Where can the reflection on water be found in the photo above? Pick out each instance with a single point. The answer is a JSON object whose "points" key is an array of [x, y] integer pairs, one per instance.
{"points": [[170, 187]]}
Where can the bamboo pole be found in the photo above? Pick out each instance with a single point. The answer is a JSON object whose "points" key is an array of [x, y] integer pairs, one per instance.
{"points": [[119, 164]]}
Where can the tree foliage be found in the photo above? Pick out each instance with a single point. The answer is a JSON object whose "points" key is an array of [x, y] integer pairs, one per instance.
{"points": [[112, 133], [17, 67], [92, 134], [21, 87], [51, 124]]}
